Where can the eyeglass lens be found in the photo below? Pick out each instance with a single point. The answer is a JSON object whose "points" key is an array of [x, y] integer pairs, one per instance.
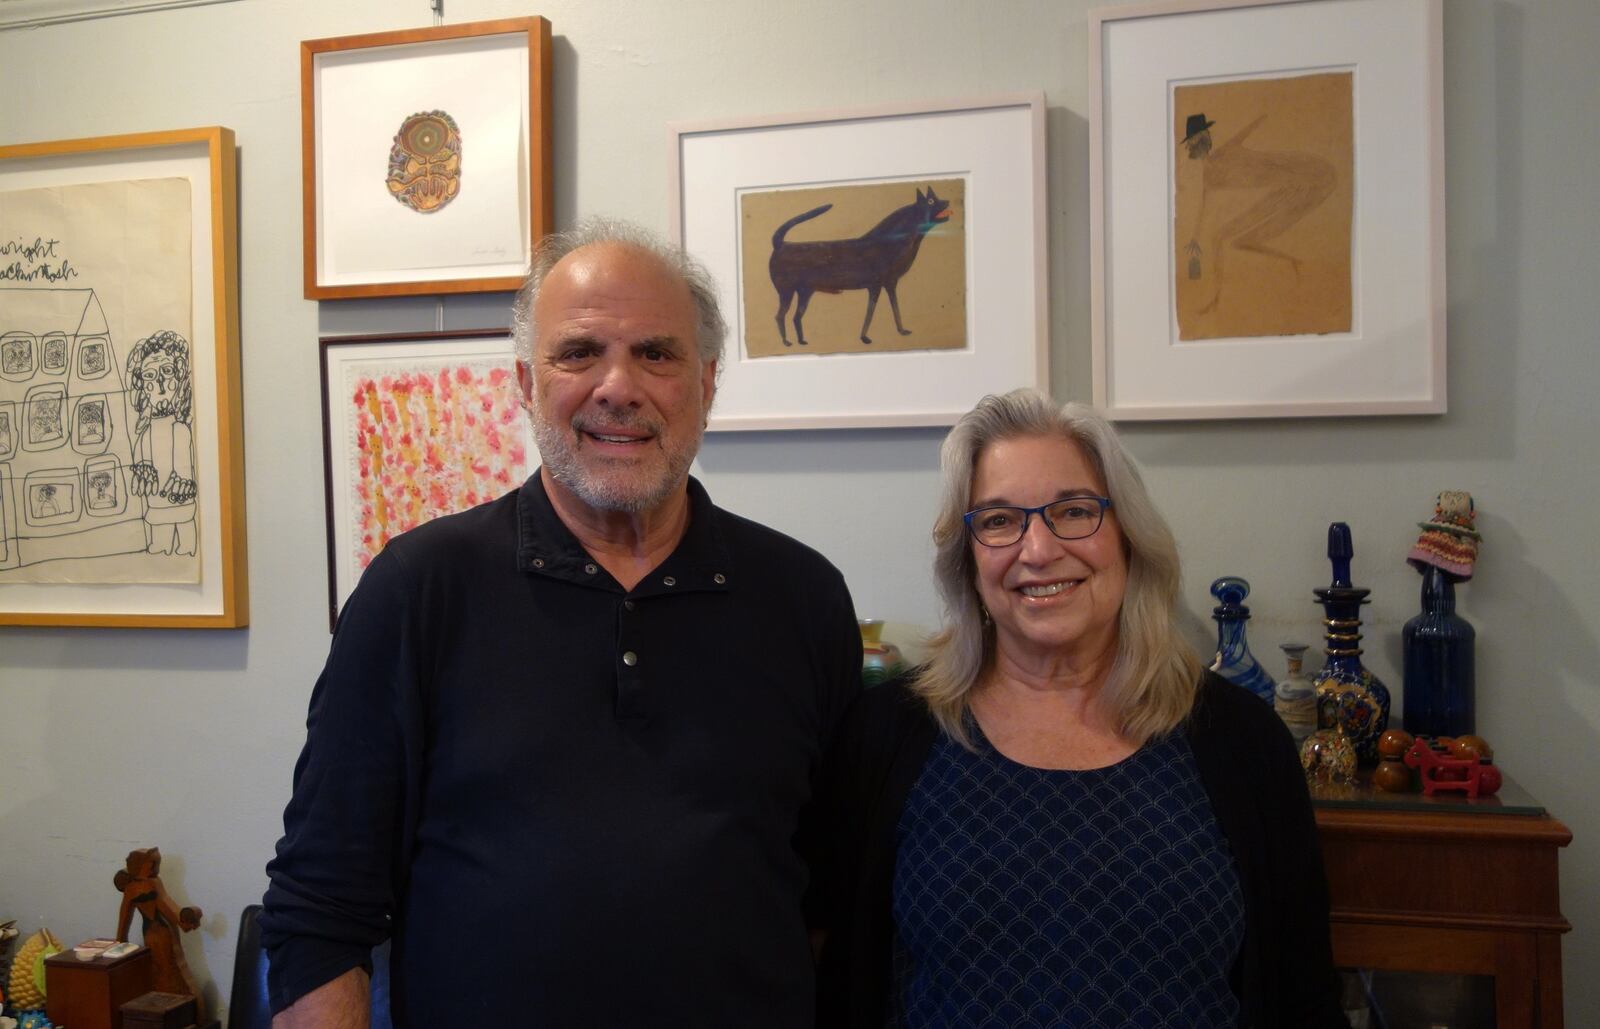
{"points": [[1070, 519]]}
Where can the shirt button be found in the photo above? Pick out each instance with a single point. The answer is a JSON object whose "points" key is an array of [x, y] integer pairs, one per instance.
{"points": [[627, 605], [719, 578], [590, 568], [538, 562], [669, 581], [629, 658]]}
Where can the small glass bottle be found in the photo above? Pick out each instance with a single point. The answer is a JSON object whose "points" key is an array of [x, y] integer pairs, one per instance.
{"points": [[1296, 699], [1234, 661], [1438, 662]]}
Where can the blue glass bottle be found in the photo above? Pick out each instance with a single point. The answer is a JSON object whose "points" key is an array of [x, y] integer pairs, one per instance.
{"points": [[1349, 697], [1437, 655], [1234, 661]]}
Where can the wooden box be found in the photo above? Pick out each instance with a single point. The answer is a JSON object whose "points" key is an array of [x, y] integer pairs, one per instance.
{"points": [[87, 992], [157, 1010]]}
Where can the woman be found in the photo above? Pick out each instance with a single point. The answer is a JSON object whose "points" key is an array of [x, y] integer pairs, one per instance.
{"points": [[1061, 819]]}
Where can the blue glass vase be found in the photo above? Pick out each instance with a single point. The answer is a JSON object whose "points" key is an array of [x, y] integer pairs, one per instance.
{"points": [[1438, 662], [1349, 697], [1234, 661]]}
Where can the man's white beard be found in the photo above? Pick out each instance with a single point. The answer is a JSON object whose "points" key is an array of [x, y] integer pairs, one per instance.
{"points": [[558, 450]]}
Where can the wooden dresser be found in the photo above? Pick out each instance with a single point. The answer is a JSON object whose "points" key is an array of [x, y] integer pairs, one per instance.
{"points": [[1453, 888]]}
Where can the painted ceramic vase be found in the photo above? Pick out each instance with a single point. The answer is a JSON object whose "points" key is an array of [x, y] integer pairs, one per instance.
{"points": [[1328, 754], [1349, 697], [1437, 658], [1234, 661], [1296, 696], [880, 660]]}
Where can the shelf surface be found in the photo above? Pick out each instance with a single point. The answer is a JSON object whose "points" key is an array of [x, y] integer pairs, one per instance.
{"points": [[1511, 799]]}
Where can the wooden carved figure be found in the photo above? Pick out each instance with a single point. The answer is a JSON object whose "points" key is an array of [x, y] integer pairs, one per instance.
{"points": [[140, 883]]}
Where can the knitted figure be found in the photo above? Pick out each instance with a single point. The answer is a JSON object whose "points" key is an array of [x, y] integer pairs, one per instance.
{"points": [[1448, 542]]}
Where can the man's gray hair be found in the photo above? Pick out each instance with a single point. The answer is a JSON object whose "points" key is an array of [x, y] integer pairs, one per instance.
{"points": [[710, 329]]}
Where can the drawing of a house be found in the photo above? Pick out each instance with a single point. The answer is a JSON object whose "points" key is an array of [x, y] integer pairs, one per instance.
{"points": [[64, 432]]}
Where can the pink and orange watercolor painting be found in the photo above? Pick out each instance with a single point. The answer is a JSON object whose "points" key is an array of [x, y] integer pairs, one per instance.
{"points": [[417, 427], [430, 442]]}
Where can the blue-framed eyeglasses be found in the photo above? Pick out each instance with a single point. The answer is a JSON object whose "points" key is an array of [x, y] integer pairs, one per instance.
{"points": [[1071, 519]]}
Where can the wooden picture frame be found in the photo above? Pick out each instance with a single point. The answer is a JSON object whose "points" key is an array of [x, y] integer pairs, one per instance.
{"points": [[414, 426], [120, 313], [981, 324], [1267, 222], [462, 115]]}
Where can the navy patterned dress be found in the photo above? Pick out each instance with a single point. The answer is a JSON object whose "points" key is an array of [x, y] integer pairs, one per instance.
{"points": [[1038, 897]]}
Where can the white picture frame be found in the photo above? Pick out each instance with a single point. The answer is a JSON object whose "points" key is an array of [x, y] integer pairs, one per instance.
{"points": [[1392, 361], [995, 144]]}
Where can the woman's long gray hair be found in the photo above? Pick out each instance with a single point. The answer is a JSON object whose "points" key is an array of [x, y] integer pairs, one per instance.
{"points": [[1152, 683]]}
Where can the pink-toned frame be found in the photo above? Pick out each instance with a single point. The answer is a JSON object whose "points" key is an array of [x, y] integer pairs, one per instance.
{"points": [[1393, 360], [996, 142]]}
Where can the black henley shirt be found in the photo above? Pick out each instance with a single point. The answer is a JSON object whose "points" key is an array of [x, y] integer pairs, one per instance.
{"points": [[570, 804]]}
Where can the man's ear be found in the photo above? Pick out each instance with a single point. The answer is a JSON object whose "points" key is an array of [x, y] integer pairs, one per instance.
{"points": [[708, 386], [524, 381]]}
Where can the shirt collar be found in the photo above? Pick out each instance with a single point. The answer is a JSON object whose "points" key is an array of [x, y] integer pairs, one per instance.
{"points": [[545, 546]]}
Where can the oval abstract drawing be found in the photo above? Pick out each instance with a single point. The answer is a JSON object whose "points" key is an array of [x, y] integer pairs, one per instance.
{"points": [[425, 162]]}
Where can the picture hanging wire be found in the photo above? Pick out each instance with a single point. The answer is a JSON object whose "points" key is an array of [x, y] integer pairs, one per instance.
{"points": [[438, 11]]}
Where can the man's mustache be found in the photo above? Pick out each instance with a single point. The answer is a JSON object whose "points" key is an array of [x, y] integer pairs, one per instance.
{"points": [[634, 422]]}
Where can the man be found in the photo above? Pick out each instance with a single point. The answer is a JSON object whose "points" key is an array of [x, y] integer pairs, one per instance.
{"points": [[564, 742]]}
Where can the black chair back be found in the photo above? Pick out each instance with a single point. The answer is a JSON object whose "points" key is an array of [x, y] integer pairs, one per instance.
{"points": [[248, 1007]]}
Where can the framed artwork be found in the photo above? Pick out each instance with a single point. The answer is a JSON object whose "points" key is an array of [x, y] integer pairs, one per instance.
{"points": [[877, 266], [121, 442], [414, 427], [1267, 223], [425, 158]]}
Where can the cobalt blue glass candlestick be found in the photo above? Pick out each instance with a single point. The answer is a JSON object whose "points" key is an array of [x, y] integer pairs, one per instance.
{"points": [[1437, 649], [1234, 661], [1349, 697]]}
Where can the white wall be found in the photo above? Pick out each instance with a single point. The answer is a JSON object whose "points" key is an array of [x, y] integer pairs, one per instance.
{"points": [[115, 739]]}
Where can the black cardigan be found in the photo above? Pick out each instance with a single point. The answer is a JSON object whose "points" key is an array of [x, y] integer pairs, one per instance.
{"points": [[1251, 773]]}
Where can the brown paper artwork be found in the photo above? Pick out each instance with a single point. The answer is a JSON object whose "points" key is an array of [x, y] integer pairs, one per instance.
{"points": [[1263, 205], [814, 263]]}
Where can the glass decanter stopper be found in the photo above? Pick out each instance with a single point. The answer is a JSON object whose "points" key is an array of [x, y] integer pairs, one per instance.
{"points": [[1349, 697], [1296, 699], [1234, 661]]}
